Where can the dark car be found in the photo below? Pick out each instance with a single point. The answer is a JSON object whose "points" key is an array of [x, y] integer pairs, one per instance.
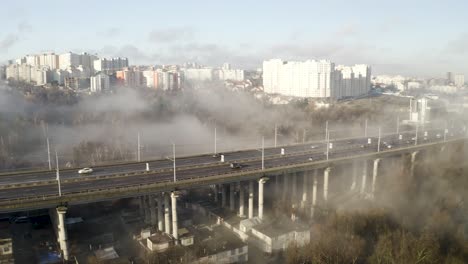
{"points": [[235, 165]]}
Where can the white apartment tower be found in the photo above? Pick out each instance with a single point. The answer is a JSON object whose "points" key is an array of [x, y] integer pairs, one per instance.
{"points": [[315, 78], [99, 82]]}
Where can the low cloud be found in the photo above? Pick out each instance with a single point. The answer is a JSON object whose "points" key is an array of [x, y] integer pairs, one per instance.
{"points": [[171, 35], [110, 32], [8, 41], [24, 27], [458, 45]]}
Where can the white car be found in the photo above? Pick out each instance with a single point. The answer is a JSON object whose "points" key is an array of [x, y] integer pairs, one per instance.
{"points": [[85, 171]]}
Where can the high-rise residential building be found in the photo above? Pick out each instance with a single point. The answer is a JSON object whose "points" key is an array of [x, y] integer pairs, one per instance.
{"points": [[130, 77], [203, 74], [87, 60], [230, 74], [68, 60], [50, 60], [99, 82], [110, 65], [151, 78], [315, 78], [459, 80], [450, 77]]}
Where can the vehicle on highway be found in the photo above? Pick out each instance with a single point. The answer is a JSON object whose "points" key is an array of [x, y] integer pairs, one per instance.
{"points": [[312, 147], [235, 165], [311, 159], [85, 171], [217, 155], [438, 136]]}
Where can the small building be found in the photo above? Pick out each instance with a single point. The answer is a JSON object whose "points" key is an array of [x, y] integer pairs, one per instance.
{"points": [[158, 242], [186, 238], [219, 245], [108, 253], [278, 235], [6, 247]]}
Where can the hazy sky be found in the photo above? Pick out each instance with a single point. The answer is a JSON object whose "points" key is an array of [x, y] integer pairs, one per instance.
{"points": [[401, 36]]}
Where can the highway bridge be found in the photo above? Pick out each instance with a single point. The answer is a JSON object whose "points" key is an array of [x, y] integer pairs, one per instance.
{"points": [[39, 189], [156, 182]]}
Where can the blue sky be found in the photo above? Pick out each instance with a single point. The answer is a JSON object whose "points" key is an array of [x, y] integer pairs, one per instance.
{"points": [[425, 38]]}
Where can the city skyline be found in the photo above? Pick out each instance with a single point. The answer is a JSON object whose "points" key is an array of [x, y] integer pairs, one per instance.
{"points": [[396, 38]]}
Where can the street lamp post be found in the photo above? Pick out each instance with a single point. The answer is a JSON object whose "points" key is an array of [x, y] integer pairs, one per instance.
{"points": [[215, 139], [276, 135], [173, 159], [398, 125], [416, 137], [328, 143], [326, 130], [378, 141], [48, 154], [58, 173], [139, 147], [365, 128], [263, 153]]}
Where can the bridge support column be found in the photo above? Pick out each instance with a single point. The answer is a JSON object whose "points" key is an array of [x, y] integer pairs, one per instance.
{"points": [[355, 173], [374, 176], [175, 227], [326, 173], [305, 185], [285, 186], [231, 197], [62, 231], [147, 209], [167, 214], [152, 207], [141, 206], [261, 183], [277, 191], [160, 213], [364, 177], [413, 161], [314, 194], [251, 197], [294, 188], [215, 189], [223, 195], [241, 200]]}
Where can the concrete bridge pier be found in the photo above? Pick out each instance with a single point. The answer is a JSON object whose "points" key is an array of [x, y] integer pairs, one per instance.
{"points": [[141, 206], [364, 177], [232, 205], [241, 200], [413, 161], [277, 191], [314, 194], [175, 226], [285, 186], [167, 214], [62, 231], [147, 209], [305, 186], [261, 183], [223, 195], [355, 173], [326, 174], [375, 172], [152, 207], [160, 212], [215, 190], [251, 197], [294, 188]]}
